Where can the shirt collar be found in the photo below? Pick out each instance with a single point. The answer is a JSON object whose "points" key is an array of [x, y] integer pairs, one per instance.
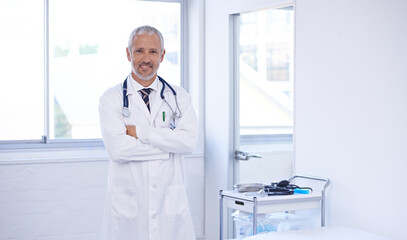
{"points": [[134, 86]]}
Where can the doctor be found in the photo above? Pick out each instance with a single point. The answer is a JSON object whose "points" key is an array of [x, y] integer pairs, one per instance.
{"points": [[146, 197]]}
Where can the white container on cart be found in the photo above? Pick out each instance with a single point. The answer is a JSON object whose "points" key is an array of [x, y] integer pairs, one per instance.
{"points": [[271, 222]]}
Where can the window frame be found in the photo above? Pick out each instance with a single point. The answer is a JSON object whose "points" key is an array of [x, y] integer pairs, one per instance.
{"points": [[45, 141]]}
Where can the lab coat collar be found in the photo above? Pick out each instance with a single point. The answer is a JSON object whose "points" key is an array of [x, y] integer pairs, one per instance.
{"points": [[133, 86], [133, 89]]}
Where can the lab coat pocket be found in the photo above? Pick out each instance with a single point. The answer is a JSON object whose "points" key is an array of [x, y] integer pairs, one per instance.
{"points": [[162, 121], [124, 203], [176, 202]]}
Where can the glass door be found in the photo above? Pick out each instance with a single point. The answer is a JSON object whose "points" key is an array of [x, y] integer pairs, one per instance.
{"points": [[263, 78]]}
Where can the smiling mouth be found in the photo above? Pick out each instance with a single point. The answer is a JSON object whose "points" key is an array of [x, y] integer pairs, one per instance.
{"points": [[146, 65]]}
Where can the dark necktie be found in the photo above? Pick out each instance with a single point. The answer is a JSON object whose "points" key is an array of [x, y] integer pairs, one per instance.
{"points": [[144, 94]]}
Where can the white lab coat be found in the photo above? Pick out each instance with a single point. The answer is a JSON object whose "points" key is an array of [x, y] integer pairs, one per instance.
{"points": [[146, 197]]}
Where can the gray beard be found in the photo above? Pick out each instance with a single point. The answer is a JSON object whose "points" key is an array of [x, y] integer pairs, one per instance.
{"points": [[148, 77]]}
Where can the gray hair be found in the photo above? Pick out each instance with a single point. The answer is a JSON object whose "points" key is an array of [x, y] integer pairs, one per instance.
{"points": [[145, 30]]}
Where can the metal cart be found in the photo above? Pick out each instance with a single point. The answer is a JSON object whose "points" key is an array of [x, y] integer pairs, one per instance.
{"points": [[268, 204]]}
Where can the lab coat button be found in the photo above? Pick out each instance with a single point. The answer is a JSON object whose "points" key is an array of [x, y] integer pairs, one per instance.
{"points": [[154, 186], [154, 216]]}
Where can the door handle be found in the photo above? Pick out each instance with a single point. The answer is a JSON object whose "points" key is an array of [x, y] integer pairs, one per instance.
{"points": [[245, 156]]}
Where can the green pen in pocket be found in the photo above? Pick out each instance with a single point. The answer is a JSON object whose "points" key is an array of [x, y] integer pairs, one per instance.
{"points": [[163, 116]]}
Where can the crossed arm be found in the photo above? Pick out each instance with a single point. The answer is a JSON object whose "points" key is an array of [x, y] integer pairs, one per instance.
{"points": [[144, 142], [182, 139], [131, 131]]}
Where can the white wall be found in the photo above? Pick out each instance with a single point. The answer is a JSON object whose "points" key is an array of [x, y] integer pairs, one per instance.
{"points": [[49, 195], [60, 194], [351, 108]]}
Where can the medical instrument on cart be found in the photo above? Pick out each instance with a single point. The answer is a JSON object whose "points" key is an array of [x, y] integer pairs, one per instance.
{"points": [[249, 187], [283, 187], [175, 114]]}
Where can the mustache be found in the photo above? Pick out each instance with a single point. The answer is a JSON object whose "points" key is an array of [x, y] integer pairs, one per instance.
{"points": [[146, 64]]}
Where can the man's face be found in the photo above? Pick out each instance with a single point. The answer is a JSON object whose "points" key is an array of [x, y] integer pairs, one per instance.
{"points": [[145, 56]]}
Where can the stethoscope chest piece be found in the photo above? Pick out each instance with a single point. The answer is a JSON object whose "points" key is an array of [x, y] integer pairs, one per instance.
{"points": [[126, 112], [172, 121]]}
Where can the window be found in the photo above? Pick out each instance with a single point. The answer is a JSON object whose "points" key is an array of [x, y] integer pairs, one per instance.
{"points": [[266, 74], [21, 71], [86, 44]]}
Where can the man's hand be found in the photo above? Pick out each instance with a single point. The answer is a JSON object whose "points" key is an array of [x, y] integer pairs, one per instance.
{"points": [[131, 131]]}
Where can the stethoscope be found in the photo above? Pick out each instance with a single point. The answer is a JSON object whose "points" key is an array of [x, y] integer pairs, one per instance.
{"points": [[175, 114]]}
